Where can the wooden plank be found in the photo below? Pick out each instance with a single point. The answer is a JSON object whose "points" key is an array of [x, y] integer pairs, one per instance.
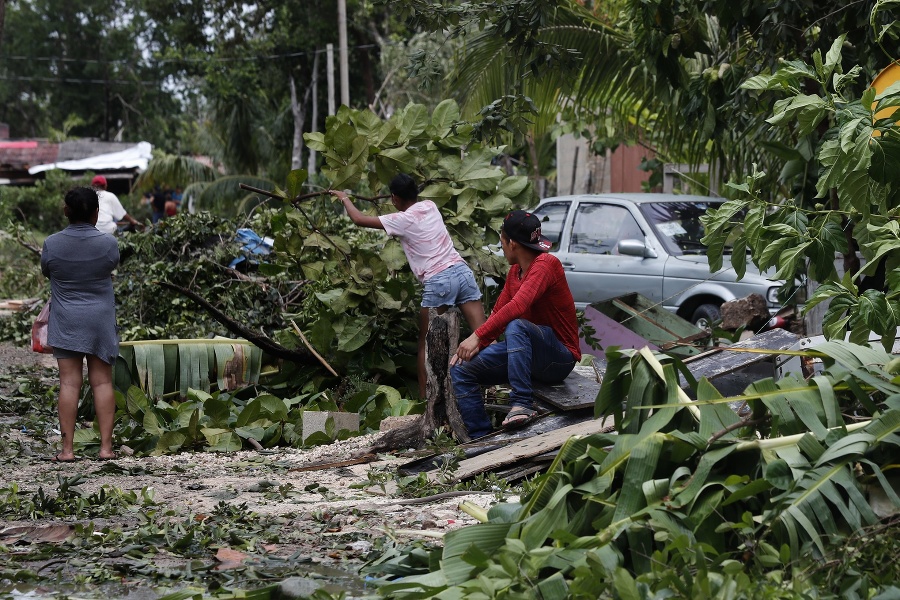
{"points": [[523, 471], [721, 361], [495, 440], [579, 390], [528, 448]]}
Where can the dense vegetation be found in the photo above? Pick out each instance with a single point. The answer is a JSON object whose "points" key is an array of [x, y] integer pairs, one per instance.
{"points": [[688, 500]]}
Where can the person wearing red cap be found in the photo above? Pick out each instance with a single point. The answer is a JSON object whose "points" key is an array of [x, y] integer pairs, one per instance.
{"points": [[111, 210], [536, 314]]}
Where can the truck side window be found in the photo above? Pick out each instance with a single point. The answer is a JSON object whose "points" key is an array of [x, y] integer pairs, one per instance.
{"points": [[553, 217], [599, 227]]}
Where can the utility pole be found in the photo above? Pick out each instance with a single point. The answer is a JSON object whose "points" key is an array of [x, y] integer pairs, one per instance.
{"points": [[342, 51], [311, 169], [329, 71]]}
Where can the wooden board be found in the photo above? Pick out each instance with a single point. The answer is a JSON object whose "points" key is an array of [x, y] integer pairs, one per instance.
{"points": [[579, 390], [522, 471], [721, 361], [493, 441], [528, 448]]}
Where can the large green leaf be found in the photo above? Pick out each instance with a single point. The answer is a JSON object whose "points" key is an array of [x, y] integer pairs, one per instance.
{"points": [[445, 116], [354, 335]]}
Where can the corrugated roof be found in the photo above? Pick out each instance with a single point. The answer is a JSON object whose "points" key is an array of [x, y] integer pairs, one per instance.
{"points": [[85, 148], [133, 156]]}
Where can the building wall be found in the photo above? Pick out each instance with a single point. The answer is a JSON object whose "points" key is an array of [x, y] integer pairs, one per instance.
{"points": [[578, 170], [625, 176]]}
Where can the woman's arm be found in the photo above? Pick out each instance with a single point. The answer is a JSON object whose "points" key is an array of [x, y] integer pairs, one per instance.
{"points": [[355, 214]]}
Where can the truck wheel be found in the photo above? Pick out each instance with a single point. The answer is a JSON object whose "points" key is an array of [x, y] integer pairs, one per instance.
{"points": [[705, 315]]}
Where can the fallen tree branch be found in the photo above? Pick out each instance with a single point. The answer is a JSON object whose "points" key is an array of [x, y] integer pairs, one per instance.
{"points": [[441, 496], [30, 247], [265, 343], [313, 350], [320, 466]]}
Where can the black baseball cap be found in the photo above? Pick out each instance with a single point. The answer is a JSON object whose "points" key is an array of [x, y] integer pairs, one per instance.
{"points": [[525, 228]]}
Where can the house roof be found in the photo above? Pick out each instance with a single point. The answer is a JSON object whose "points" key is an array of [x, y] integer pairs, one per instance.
{"points": [[135, 156], [19, 155], [85, 148]]}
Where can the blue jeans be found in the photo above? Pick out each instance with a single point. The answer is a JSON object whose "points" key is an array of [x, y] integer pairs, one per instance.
{"points": [[529, 353]]}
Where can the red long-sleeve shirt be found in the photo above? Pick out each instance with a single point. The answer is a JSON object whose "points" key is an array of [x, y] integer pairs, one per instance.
{"points": [[542, 297]]}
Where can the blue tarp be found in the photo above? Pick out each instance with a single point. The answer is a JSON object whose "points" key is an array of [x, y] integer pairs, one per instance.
{"points": [[251, 244]]}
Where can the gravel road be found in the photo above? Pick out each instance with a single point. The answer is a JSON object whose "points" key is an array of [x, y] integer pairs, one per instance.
{"points": [[335, 517]]}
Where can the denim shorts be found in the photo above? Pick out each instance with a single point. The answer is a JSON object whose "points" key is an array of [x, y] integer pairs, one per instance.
{"points": [[451, 287]]}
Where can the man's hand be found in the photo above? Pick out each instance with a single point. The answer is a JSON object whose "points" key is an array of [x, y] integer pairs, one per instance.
{"points": [[342, 196], [467, 350]]}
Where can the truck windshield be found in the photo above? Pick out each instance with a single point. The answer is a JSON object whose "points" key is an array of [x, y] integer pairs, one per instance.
{"points": [[678, 224]]}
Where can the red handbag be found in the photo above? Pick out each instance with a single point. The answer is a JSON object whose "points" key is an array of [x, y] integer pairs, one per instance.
{"points": [[39, 331]]}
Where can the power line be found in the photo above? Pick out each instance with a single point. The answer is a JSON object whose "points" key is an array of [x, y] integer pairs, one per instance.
{"points": [[164, 61], [74, 80]]}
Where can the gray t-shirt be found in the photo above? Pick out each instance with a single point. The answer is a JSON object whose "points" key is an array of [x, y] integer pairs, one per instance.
{"points": [[79, 261]]}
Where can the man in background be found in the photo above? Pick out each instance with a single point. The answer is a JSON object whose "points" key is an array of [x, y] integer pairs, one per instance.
{"points": [[111, 210]]}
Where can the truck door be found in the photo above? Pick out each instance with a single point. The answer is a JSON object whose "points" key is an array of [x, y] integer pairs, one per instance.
{"points": [[594, 268]]}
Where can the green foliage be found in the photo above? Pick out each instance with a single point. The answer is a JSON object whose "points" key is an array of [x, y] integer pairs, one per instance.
{"points": [[361, 308], [172, 367], [71, 501], [20, 278], [216, 422], [691, 503], [77, 69], [856, 199], [190, 251], [39, 207]]}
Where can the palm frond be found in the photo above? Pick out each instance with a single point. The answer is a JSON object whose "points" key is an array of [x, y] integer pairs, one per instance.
{"points": [[225, 196], [171, 170], [171, 367]]}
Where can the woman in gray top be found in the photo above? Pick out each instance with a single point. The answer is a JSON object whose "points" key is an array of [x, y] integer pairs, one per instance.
{"points": [[79, 261]]}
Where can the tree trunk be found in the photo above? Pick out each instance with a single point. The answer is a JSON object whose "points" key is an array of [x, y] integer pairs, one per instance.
{"points": [[441, 409], [2, 19], [440, 344], [539, 182]]}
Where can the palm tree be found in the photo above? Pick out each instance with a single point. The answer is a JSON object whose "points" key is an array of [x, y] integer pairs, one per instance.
{"points": [[671, 80], [205, 187]]}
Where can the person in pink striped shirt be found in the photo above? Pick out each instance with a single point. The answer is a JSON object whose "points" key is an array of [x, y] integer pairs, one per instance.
{"points": [[446, 278]]}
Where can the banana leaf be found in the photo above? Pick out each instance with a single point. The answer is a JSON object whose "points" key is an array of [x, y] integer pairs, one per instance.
{"points": [[172, 367]]}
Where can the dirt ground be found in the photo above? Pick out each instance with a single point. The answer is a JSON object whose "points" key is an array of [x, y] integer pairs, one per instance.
{"points": [[331, 517]]}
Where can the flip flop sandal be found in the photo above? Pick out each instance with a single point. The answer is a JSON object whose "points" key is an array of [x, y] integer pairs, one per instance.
{"points": [[519, 417], [56, 459]]}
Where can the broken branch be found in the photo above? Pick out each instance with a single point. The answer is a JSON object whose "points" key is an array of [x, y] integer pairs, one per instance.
{"points": [[313, 350]]}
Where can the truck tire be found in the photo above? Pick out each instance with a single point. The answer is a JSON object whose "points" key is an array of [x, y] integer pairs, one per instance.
{"points": [[705, 315]]}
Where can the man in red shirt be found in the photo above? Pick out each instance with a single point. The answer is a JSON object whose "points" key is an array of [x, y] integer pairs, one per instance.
{"points": [[536, 314]]}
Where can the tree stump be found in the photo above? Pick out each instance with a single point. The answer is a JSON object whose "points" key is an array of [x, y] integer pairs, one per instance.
{"points": [[440, 345], [441, 341]]}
